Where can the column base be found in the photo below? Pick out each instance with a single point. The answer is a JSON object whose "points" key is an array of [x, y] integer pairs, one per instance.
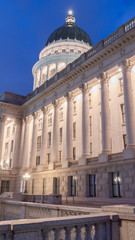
{"points": [[103, 157], [83, 160], [129, 153], [65, 163], [51, 166], [14, 171]]}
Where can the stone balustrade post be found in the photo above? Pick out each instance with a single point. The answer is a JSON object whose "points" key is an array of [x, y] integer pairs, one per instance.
{"points": [[2, 126], [85, 124], [87, 232], [67, 233], [56, 233], [78, 233], [44, 138], [69, 127], [18, 129], [34, 142], [105, 118], [129, 109]]}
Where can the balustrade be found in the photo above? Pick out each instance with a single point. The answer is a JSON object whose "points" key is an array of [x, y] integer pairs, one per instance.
{"points": [[97, 227]]}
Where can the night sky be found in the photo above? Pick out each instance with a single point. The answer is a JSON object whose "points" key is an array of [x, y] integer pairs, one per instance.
{"points": [[25, 26]]}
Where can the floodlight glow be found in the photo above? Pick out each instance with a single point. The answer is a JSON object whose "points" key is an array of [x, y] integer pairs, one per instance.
{"points": [[70, 12]]}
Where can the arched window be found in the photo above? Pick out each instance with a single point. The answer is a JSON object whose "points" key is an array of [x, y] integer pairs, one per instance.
{"points": [[44, 74], [61, 66], [52, 70]]}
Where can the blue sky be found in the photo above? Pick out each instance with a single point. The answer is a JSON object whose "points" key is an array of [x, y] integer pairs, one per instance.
{"points": [[25, 26]]}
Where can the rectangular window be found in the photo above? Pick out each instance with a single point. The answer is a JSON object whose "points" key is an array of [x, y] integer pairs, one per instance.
{"points": [[44, 185], [12, 143], [61, 114], [121, 84], [72, 185], [116, 184], [71, 50], [13, 130], [48, 157], [50, 119], [74, 107], [38, 142], [5, 186], [49, 139], [37, 160], [90, 125], [92, 185], [90, 100], [125, 141], [60, 156], [8, 131], [60, 134], [123, 112], [56, 185], [10, 163], [6, 148], [74, 153], [90, 148], [40, 124], [33, 182], [74, 130]]}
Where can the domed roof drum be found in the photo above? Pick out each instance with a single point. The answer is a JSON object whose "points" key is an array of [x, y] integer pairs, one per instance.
{"points": [[71, 31]]}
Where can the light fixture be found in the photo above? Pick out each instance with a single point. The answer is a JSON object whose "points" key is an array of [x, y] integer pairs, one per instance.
{"points": [[70, 12], [26, 176], [8, 119]]}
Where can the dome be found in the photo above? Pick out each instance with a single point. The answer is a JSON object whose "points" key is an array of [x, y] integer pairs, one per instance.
{"points": [[71, 31]]}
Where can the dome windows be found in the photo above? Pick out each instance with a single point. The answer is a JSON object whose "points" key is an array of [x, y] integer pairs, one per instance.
{"points": [[61, 66], [52, 70], [44, 74]]}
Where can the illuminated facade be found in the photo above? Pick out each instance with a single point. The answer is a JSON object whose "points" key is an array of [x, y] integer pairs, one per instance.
{"points": [[74, 134]]}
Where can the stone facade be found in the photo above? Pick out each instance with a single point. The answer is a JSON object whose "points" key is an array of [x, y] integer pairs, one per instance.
{"points": [[74, 134]]}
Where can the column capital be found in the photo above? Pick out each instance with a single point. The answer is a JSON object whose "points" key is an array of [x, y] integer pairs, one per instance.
{"points": [[18, 121], [103, 76], [69, 96], [84, 87], [44, 109], [55, 103], [126, 64], [2, 118], [35, 115]]}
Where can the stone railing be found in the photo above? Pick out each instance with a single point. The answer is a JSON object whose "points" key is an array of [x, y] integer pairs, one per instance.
{"points": [[22, 210], [94, 227], [94, 50], [115, 156]]}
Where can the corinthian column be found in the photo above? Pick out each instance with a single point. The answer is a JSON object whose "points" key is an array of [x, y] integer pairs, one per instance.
{"points": [[105, 118], [129, 108], [69, 127], [85, 123], [44, 138], [18, 126], [2, 125], [55, 131], [25, 144], [34, 142]]}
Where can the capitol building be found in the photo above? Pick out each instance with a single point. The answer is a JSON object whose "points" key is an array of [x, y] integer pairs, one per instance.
{"points": [[74, 134]]}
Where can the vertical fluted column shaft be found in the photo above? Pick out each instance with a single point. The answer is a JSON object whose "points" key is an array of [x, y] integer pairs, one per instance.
{"points": [[105, 114], [85, 120], [25, 144], [129, 104], [55, 132], [2, 125], [69, 127], [34, 142], [18, 125], [44, 136]]}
